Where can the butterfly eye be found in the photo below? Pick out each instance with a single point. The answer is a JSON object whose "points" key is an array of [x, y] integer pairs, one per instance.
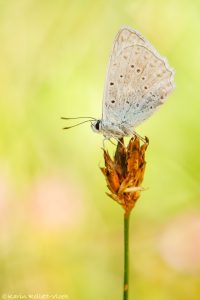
{"points": [[97, 125]]}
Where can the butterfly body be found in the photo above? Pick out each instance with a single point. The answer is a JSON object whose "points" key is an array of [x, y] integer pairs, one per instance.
{"points": [[138, 82], [109, 129]]}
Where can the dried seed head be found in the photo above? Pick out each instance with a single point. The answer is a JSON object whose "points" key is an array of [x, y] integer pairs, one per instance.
{"points": [[124, 173]]}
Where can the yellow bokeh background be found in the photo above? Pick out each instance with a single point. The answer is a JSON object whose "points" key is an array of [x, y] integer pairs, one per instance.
{"points": [[59, 232]]}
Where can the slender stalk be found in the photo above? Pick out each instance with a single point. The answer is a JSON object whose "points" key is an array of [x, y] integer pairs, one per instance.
{"points": [[126, 256]]}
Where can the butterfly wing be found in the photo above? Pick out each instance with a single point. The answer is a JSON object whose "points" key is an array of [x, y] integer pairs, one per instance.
{"points": [[138, 80]]}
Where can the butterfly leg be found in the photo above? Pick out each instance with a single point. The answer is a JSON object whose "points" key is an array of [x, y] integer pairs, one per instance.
{"points": [[105, 139], [118, 140], [134, 133], [109, 139]]}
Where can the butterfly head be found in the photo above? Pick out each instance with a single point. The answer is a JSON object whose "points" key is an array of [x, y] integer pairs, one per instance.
{"points": [[96, 126]]}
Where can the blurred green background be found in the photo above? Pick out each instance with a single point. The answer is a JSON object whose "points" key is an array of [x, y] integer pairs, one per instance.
{"points": [[60, 233]]}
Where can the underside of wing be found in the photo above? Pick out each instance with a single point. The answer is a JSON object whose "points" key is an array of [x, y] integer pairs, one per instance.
{"points": [[138, 79]]}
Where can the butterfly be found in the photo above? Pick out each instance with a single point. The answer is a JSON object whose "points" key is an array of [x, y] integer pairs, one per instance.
{"points": [[137, 83]]}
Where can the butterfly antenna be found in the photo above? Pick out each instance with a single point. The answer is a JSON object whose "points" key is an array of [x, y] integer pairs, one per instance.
{"points": [[68, 127], [63, 118]]}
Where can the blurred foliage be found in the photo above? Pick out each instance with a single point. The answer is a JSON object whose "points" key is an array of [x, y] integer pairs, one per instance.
{"points": [[53, 58]]}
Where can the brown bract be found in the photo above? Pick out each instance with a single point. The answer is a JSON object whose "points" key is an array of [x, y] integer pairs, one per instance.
{"points": [[124, 173]]}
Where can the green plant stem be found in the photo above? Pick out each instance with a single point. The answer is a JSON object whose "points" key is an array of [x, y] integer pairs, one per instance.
{"points": [[126, 256]]}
